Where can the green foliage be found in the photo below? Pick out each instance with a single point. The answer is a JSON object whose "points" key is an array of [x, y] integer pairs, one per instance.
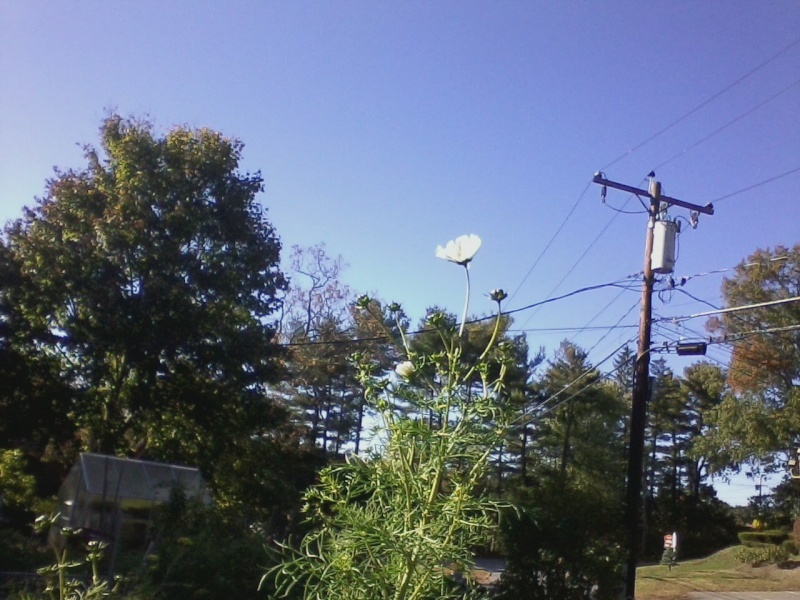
{"points": [[703, 388], [18, 552], [561, 544], [759, 538], [705, 524], [197, 553], [668, 558], [758, 556], [139, 305], [784, 503], [564, 540], [581, 438], [17, 487], [791, 547], [317, 308], [764, 417], [393, 525], [262, 480]]}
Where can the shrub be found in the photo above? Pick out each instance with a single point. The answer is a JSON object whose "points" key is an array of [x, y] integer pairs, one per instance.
{"points": [[561, 544], [753, 539], [791, 547], [762, 555], [198, 554]]}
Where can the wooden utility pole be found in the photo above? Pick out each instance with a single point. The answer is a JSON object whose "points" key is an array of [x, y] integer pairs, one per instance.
{"points": [[641, 386]]}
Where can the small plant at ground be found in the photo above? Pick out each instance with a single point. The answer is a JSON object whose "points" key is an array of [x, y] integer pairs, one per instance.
{"points": [[668, 558], [62, 582]]}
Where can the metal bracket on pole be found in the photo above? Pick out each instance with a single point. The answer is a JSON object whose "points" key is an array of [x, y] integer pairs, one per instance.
{"points": [[598, 178]]}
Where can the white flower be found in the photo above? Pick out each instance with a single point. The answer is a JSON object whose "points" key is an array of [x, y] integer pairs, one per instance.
{"points": [[405, 369], [460, 250]]}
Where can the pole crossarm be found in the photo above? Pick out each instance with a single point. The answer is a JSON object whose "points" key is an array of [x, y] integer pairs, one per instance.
{"points": [[598, 178]]}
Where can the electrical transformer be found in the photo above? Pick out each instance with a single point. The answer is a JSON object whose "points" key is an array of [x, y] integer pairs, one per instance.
{"points": [[663, 256]]}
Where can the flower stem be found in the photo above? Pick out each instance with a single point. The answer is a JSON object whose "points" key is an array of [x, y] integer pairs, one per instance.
{"points": [[466, 304]]}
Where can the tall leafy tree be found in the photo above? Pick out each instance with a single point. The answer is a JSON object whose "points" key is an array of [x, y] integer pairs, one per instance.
{"points": [[149, 279], [763, 417], [764, 362], [705, 388], [34, 400]]}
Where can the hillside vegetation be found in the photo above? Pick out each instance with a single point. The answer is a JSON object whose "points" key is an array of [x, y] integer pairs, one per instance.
{"points": [[720, 572]]}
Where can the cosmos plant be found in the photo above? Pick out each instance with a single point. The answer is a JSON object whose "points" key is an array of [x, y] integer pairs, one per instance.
{"points": [[400, 523]]}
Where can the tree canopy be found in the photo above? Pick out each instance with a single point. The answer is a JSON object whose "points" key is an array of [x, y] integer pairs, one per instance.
{"points": [[146, 282], [761, 418]]}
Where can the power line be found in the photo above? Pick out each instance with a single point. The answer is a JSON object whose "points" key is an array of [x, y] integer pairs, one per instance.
{"points": [[552, 239], [731, 338], [548, 300], [755, 185], [600, 312], [728, 124], [687, 278], [649, 139], [703, 104], [577, 262], [618, 283], [732, 309], [571, 329], [622, 318]]}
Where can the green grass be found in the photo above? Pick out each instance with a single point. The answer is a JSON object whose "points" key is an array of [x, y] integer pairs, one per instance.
{"points": [[720, 572]]}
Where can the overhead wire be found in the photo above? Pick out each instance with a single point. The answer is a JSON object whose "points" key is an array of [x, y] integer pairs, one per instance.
{"points": [[622, 318], [734, 315], [617, 283], [540, 410], [733, 309], [748, 370], [732, 340], [687, 278], [549, 299], [678, 336], [576, 263], [729, 338], [755, 185], [571, 329], [703, 104], [728, 124], [602, 310], [550, 242]]}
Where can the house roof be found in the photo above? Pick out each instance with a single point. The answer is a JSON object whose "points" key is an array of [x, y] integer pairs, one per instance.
{"points": [[114, 477]]}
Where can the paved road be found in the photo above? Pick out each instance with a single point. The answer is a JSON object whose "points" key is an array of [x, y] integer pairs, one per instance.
{"points": [[744, 596]]}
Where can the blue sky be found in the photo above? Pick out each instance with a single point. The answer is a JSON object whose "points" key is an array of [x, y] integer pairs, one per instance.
{"points": [[384, 129]]}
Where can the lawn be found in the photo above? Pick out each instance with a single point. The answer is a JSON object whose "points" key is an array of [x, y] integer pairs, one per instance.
{"points": [[720, 572]]}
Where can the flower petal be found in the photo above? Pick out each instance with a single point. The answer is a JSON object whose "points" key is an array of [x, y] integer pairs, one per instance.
{"points": [[405, 369], [460, 250]]}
